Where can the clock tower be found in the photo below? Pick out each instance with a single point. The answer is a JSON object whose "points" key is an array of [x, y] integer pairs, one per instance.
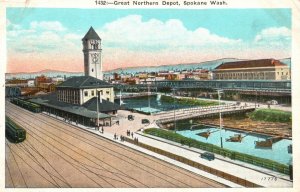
{"points": [[92, 54]]}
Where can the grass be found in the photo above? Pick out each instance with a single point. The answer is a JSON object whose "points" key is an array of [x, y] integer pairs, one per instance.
{"points": [[271, 115], [262, 162], [188, 101]]}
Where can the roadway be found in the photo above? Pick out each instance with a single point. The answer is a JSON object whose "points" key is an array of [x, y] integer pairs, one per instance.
{"points": [[57, 154]]}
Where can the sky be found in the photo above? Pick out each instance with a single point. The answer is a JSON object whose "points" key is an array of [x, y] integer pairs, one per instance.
{"points": [[50, 38]]}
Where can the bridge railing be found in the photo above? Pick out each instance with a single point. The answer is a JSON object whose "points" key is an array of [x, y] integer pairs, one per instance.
{"points": [[201, 109], [198, 113]]}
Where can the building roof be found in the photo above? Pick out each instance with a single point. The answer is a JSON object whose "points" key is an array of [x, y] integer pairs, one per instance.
{"points": [[50, 100], [104, 106], [91, 34], [82, 82], [251, 64]]}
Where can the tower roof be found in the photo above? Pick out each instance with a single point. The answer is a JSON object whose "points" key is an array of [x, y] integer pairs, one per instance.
{"points": [[91, 34]]}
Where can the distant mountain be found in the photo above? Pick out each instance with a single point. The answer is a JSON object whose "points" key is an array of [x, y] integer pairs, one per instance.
{"points": [[132, 70], [177, 67], [210, 65], [46, 72]]}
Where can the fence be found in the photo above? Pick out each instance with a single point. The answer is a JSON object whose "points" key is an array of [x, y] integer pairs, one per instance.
{"points": [[197, 165], [221, 151]]}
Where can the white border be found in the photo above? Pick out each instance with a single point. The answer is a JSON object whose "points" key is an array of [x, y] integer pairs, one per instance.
{"points": [[293, 4]]}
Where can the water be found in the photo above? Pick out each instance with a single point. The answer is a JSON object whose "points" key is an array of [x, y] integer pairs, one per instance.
{"points": [[156, 105], [278, 152]]}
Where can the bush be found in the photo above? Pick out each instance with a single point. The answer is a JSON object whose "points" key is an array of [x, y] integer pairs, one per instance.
{"points": [[271, 115], [262, 162], [188, 101]]}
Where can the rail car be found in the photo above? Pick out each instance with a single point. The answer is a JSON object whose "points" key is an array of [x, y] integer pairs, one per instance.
{"points": [[27, 105], [13, 131]]}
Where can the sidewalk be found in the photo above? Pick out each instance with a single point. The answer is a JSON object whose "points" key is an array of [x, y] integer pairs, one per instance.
{"points": [[262, 177]]}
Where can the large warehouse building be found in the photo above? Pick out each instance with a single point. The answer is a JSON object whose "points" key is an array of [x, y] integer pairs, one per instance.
{"points": [[263, 69]]}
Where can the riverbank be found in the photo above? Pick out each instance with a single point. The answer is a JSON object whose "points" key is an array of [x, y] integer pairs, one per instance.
{"points": [[249, 125]]}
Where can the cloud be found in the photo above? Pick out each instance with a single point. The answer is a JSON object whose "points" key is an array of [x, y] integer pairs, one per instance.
{"points": [[44, 37], [274, 36], [73, 37], [131, 32], [11, 26], [134, 41], [47, 25]]}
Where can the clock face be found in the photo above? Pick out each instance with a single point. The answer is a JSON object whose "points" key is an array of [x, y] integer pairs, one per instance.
{"points": [[95, 58]]}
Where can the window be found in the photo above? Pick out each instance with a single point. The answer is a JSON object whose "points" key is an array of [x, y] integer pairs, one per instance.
{"points": [[86, 93], [107, 92], [107, 99], [93, 93]]}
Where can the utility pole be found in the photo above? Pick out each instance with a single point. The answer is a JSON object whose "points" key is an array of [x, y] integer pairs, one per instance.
{"points": [[220, 115], [174, 100]]}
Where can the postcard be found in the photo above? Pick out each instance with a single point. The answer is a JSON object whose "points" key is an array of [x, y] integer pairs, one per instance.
{"points": [[164, 95]]}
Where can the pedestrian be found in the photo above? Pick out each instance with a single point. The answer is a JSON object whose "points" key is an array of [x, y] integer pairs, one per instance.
{"points": [[102, 129], [137, 140], [132, 134], [115, 136]]}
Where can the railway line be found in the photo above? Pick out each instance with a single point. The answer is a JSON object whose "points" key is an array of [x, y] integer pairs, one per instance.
{"points": [[63, 155]]}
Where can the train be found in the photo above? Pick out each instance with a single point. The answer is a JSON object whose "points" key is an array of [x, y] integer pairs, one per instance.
{"points": [[13, 131], [26, 105]]}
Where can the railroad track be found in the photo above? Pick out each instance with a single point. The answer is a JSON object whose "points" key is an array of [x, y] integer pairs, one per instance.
{"points": [[59, 134]]}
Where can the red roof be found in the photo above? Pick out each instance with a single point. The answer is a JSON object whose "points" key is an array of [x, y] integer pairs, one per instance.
{"points": [[251, 64]]}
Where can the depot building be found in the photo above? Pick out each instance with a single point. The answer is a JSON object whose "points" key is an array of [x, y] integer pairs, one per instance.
{"points": [[87, 99]]}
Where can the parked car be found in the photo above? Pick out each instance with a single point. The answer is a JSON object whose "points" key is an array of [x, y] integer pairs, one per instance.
{"points": [[145, 121], [272, 102], [208, 156], [130, 117]]}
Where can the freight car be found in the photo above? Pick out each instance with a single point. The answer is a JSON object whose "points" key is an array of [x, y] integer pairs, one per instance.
{"points": [[27, 105]]}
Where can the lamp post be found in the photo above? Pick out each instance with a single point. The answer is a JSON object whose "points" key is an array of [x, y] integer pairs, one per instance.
{"points": [[255, 98], [149, 97], [220, 115], [174, 100]]}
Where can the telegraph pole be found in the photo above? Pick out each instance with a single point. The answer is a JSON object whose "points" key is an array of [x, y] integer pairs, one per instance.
{"points": [[220, 115]]}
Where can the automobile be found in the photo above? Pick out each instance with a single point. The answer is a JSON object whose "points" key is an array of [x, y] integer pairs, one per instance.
{"points": [[208, 156], [130, 117], [145, 121], [272, 102]]}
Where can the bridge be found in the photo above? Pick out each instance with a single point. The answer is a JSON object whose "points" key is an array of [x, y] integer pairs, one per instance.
{"points": [[135, 95], [262, 86], [201, 112]]}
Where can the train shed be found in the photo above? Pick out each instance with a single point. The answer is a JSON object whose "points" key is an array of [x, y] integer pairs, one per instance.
{"points": [[80, 114]]}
